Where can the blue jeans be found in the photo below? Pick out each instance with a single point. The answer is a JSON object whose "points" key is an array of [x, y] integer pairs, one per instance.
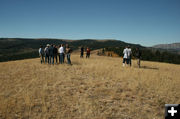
{"points": [[61, 58], [51, 57], [125, 60], [82, 53], [46, 58], [68, 58]]}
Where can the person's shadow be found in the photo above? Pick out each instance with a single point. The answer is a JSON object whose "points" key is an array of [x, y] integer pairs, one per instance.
{"points": [[147, 67]]}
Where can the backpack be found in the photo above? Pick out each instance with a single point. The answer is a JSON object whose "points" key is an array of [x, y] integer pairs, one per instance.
{"points": [[47, 51], [129, 52]]}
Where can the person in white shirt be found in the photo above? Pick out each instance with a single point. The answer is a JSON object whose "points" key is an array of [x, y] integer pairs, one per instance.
{"points": [[129, 55], [61, 51], [41, 54], [125, 57]]}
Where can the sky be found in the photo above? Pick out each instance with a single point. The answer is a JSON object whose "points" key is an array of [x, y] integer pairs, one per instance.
{"points": [[145, 22]]}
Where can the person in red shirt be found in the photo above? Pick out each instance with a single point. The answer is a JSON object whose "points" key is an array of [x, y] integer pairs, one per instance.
{"points": [[88, 52]]}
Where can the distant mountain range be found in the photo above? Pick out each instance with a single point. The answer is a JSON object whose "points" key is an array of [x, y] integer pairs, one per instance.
{"points": [[174, 47]]}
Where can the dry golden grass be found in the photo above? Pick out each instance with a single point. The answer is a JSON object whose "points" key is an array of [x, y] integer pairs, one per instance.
{"points": [[95, 88]]}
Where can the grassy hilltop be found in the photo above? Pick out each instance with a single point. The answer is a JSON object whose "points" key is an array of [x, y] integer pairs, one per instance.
{"points": [[95, 88], [24, 48]]}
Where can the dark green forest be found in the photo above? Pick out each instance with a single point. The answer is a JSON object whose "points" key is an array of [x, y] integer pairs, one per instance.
{"points": [[149, 54], [23, 48]]}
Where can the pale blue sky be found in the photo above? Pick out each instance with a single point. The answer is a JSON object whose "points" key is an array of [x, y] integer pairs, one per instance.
{"points": [[145, 22]]}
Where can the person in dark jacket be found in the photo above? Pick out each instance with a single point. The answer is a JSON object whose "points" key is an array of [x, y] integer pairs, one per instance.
{"points": [[55, 52], [82, 52], [51, 54], [59, 53], [129, 55], [64, 54], [68, 54], [138, 55]]}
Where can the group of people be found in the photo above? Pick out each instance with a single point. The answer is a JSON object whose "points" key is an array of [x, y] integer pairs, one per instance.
{"points": [[51, 52], [88, 51], [128, 55]]}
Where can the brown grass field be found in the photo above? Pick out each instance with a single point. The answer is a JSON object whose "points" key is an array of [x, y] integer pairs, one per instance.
{"points": [[95, 88]]}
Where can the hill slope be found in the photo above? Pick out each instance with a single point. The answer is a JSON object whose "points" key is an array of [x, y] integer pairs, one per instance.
{"points": [[95, 88], [168, 46], [22, 48], [174, 47]]}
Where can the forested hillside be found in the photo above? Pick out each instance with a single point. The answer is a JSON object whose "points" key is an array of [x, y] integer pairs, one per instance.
{"points": [[23, 48], [150, 54]]}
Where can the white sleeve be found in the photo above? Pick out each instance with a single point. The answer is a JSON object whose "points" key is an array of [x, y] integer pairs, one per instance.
{"points": [[39, 50], [62, 50]]}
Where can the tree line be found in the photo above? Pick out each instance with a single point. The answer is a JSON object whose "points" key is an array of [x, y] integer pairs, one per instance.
{"points": [[22, 48], [148, 54]]}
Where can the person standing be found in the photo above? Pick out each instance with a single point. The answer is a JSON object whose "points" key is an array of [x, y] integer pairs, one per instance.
{"points": [[46, 50], [41, 54], [64, 47], [82, 52], [51, 54], [138, 55], [129, 55], [55, 52], [61, 51], [125, 57], [68, 53], [88, 52]]}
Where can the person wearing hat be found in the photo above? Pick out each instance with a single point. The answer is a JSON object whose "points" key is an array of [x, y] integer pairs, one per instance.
{"points": [[46, 51]]}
